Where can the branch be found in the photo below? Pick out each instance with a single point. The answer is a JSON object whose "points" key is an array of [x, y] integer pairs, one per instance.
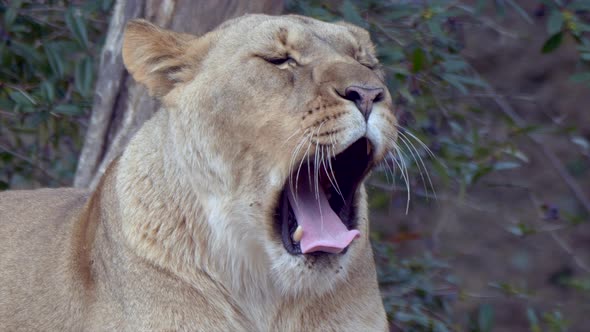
{"points": [[34, 164], [553, 159], [579, 262]]}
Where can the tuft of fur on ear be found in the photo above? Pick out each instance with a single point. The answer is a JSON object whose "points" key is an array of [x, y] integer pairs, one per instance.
{"points": [[158, 58]]}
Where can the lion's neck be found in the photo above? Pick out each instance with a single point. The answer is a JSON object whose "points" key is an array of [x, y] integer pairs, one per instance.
{"points": [[180, 224]]}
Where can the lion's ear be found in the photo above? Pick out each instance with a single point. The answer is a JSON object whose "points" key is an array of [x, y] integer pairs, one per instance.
{"points": [[159, 58]]}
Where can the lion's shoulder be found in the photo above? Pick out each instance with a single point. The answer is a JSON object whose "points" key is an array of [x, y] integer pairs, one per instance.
{"points": [[40, 203]]}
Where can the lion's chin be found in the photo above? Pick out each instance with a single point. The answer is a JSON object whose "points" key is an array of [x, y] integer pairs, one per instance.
{"points": [[308, 275]]}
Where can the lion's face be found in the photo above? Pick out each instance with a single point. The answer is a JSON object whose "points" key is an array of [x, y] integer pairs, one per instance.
{"points": [[277, 121]]}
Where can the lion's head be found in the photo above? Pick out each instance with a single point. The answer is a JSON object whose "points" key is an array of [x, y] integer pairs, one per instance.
{"points": [[276, 122]]}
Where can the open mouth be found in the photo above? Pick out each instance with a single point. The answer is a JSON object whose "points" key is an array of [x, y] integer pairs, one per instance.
{"points": [[316, 212]]}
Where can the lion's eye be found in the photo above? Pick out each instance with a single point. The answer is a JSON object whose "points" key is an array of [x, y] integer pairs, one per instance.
{"points": [[280, 61], [370, 66]]}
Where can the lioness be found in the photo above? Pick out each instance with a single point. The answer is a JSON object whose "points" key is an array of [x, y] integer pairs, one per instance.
{"points": [[239, 206]]}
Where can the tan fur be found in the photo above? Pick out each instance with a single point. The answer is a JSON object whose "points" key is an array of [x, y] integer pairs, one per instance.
{"points": [[179, 234]]}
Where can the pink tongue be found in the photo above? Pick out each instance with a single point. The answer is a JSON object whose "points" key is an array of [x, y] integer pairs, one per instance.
{"points": [[322, 228]]}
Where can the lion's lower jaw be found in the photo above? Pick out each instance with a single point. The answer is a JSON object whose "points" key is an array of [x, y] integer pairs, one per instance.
{"points": [[294, 278]]}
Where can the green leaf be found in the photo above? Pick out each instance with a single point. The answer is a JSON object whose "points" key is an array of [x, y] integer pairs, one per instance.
{"points": [[552, 43], [480, 171], [533, 320], [400, 13], [480, 6], [582, 142], [554, 22], [9, 17], [454, 65], [435, 28], [580, 77], [11, 13], [451, 79], [351, 14], [459, 81], [77, 25], [48, 91], [106, 5], [21, 98], [520, 11], [407, 317], [521, 229], [579, 5], [20, 28], [504, 165], [25, 51], [549, 3], [68, 109], [6, 103], [418, 60], [517, 153], [55, 59], [390, 54], [84, 76], [582, 27], [485, 318]]}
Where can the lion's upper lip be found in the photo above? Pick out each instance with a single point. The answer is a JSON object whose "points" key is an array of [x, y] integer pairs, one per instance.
{"points": [[320, 197]]}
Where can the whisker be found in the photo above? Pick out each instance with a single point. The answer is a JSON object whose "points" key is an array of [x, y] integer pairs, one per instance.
{"points": [[301, 164], [335, 183], [404, 137], [293, 135], [317, 175], [404, 170], [389, 170], [406, 131], [294, 157], [316, 164], [321, 157], [404, 141], [333, 149], [403, 175]]}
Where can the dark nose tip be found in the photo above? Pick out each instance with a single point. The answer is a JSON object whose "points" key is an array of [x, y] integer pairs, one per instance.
{"points": [[363, 97]]}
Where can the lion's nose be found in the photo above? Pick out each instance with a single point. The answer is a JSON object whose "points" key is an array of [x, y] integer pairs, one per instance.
{"points": [[363, 97]]}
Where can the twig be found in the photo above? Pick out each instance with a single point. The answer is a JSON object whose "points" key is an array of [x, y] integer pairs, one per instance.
{"points": [[553, 159], [552, 230], [32, 163], [487, 95], [489, 23], [7, 114], [581, 264], [389, 35]]}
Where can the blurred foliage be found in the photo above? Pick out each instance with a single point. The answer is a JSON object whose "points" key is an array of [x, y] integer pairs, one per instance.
{"points": [[419, 44], [48, 58]]}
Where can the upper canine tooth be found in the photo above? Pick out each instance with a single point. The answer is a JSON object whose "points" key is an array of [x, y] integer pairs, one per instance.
{"points": [[298, 234], [369, 148]]}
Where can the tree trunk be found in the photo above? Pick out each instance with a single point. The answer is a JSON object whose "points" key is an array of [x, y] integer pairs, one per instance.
{"points": [[121, 105]]}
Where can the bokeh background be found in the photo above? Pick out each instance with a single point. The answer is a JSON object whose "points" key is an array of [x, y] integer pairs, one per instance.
{"points": [[480, 221]]}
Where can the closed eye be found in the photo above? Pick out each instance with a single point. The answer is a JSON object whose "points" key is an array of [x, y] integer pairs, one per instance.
{"points": [[370, 66], [279, 61]]}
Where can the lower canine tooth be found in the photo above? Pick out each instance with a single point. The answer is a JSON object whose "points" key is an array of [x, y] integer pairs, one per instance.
{"points": [[298, 233]]}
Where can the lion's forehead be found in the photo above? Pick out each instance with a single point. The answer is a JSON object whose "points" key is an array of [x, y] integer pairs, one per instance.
{"points": [[299, 33]]}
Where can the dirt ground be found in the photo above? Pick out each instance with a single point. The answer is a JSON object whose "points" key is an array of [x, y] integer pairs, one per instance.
{"points": [[473, 234]]}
